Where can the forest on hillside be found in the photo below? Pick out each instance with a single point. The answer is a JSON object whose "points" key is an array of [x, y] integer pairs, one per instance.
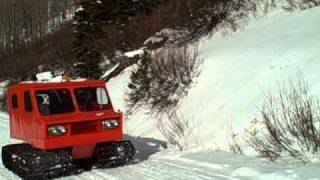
{"points": [[24, 21], [47, 33], [122, 27]]}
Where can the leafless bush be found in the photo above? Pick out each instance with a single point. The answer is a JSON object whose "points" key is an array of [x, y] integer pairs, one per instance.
{"points": [[161, 79], [224, 15], [3, 95], [233, 140], [300, 4], [290, 125], [3, 103], [263, 6], [176, 129]]}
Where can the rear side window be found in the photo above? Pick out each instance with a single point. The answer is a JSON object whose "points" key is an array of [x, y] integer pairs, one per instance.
{"points": [[27, 102], [14, 101]]}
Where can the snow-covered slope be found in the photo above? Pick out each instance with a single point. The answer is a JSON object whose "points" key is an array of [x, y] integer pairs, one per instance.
{"points": [[238, 70]]}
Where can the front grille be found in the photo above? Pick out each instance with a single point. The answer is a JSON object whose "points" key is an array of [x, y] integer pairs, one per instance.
{"points": [[84, 127]]}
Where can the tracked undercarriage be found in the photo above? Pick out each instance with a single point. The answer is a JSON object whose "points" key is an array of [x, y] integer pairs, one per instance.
{"points": [[31, 163]]}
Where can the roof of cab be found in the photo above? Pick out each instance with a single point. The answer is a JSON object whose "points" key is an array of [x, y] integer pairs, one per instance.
{"points": [[56, 84]]}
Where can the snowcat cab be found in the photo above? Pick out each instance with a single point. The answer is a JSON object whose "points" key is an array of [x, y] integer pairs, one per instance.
{"points": [[60, 123]]}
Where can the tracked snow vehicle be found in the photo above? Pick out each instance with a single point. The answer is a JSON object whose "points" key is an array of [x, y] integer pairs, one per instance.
{"points": [[61, 123]]}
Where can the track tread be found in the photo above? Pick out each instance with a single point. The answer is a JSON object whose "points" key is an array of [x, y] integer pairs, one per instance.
{"points": [[30, 163], [114, 154]]}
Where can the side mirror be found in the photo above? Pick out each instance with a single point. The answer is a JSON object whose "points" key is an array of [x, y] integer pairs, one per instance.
{"points": [[102, 97]]}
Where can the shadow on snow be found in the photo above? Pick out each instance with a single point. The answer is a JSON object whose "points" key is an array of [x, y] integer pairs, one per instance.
{"points": [[145, 147]]}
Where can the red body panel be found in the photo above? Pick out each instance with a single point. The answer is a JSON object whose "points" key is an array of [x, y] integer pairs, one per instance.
{"points": [[84, 129]]}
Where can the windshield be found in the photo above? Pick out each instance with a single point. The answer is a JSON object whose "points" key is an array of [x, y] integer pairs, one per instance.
{"points": [[54, 101], [92, 98]]}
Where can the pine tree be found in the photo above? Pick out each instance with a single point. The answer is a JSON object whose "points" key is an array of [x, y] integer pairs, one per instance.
{"points": [[85, 51], [89, 21]]}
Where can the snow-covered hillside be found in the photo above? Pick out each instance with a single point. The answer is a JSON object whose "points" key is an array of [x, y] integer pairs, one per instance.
{"points": [[237, 71]]}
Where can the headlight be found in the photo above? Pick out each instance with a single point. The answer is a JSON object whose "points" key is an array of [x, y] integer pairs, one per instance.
{"points": [[110, 124], [57, 130]]}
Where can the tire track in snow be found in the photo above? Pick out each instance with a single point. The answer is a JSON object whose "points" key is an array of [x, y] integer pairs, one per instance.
{"points": [[155, 171], [197, 169], [160, 169]]}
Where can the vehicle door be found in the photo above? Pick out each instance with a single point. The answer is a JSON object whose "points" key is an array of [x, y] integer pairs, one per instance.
{"points": [[30, 124]]}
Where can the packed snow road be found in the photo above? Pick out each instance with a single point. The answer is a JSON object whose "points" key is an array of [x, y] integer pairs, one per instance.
{"points": [[154, 162]]}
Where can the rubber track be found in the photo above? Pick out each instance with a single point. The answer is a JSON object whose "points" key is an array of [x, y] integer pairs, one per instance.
{"points": [[31, 163]]}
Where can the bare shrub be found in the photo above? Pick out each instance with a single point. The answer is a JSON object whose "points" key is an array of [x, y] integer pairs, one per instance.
{"points": [[3, 103], [161, 79], [177, 14], [226, 16], [300, 4], [176, 129], [233, 140], [3, 95], [263, 6], [290, 125]]}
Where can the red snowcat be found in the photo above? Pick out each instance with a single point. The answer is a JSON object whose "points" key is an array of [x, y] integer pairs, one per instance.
{"points": [[61, 123]]}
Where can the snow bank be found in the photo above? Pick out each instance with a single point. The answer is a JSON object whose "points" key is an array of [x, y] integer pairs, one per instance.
{"points": [[238, 70]]}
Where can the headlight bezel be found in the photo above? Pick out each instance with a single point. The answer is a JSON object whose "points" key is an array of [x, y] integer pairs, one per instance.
{"points": [[57, 130], [110, 123]]}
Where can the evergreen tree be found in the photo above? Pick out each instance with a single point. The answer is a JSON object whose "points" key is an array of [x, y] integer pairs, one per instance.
{"points": [[85, 51], [90, 19]]}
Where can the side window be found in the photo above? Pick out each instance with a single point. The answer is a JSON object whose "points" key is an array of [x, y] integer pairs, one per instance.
{"points": [[14, 101], [27, 102]]}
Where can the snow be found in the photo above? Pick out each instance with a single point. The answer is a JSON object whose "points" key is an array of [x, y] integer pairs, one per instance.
{"points": [[79, 9], [153, 40], [240, 68], [237, 70], [167, 34], [134, 53], [48, 77], [44, 76], [202, 166], [110, 71]]}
